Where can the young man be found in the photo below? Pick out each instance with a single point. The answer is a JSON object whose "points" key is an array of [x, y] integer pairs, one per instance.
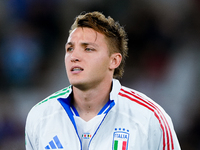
{"points": [[95, 112]]}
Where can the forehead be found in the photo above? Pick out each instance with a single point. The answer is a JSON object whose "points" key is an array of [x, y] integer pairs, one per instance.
{"points": [[86, 35]]}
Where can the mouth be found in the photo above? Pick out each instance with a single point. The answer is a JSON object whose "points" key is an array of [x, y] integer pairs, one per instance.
{"points": [[76, 69]]}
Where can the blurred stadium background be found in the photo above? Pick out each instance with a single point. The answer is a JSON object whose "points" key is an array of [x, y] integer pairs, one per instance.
{"points": [[163, 63]]}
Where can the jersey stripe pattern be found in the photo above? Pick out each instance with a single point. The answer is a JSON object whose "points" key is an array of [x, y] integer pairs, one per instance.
{"points": [[141, 100]]}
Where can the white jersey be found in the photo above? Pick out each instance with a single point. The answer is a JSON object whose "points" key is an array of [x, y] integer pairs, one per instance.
{"points": [[131, 121]]}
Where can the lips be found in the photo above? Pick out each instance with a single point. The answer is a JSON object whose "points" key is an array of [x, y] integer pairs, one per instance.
{"points": [[76, 69]]}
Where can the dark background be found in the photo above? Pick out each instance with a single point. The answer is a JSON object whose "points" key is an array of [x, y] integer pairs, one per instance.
{"points": [[163, 63]]}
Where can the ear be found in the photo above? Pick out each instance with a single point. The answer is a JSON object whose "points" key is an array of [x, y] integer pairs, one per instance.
{"points": [[115, 60]]}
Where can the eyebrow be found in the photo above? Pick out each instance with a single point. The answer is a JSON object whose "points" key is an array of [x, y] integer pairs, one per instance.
{"points": [[69, 43], [83, 44]]}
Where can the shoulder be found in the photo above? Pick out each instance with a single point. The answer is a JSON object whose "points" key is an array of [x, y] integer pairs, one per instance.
{"points": [[48, 105], [149, 115], [141, 106], [140, 99], [61, 93]]}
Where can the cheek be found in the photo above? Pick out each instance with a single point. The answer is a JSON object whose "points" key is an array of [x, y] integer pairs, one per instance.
{"points": [[66, 60], [66, 57], [103, 63]]}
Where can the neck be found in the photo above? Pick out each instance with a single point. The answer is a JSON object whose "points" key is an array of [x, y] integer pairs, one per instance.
{"points": [[88, 103]]}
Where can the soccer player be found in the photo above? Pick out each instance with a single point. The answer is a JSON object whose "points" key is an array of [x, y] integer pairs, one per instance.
{"points": [[96, 112]]}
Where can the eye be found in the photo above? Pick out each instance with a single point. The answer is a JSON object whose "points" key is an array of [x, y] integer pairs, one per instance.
{"points": [[69, 49], [89, 49]]}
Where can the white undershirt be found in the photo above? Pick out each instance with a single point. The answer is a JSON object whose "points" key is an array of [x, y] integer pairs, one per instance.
{"points": [[86, 129]]}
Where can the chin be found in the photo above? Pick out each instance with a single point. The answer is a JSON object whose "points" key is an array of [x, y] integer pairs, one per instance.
{"points": [[82, 85], [75, 81], [77, 84]]}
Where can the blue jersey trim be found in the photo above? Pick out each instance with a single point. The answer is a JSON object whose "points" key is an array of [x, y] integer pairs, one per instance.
{"points": [[112, 103], [75, 111], [66, 103], [104, 108]]}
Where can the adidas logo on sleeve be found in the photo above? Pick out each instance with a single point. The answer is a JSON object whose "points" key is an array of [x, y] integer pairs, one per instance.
{"points": [[54, 144]]}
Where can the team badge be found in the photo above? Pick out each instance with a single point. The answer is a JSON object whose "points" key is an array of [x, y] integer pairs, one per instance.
{"points": [[120, 139]]}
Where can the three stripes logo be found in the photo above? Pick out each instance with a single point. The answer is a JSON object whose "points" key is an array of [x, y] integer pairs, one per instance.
{"points": [[120, 139], [54, 144]]}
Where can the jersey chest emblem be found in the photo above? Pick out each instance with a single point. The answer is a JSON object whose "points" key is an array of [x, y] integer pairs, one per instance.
{"points": [[120, 139], [86, 136]]}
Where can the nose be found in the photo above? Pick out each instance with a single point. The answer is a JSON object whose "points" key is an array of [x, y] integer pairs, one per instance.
{"points": [[74, 60], [75, 56]]}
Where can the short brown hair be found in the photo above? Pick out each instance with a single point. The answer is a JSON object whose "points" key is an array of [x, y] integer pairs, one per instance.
{"points": [[113, 31]]}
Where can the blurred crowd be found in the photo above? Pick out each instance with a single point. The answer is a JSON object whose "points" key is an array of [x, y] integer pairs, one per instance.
{"points": [[163, 62]]}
